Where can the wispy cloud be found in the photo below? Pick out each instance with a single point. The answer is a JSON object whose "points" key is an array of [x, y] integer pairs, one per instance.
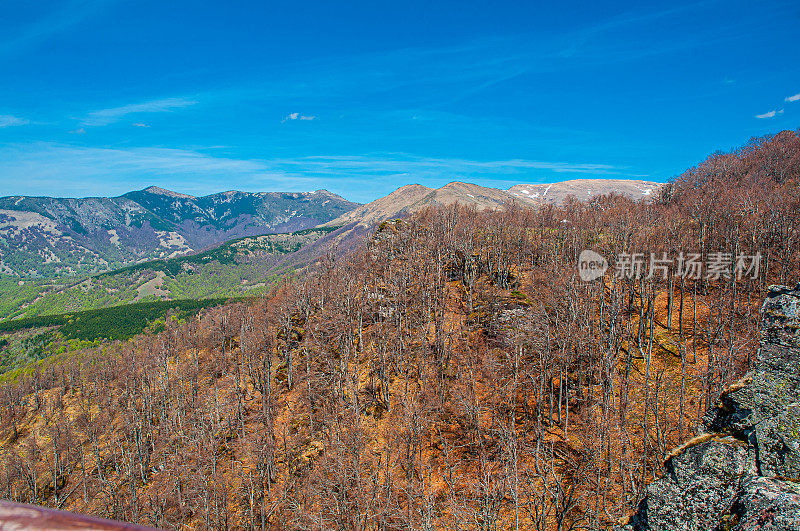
{"points": [[436, 77], [140, 124], [92, 160], [402, 163], [792, 98], [770, 114], [49, 167], [9, 121], [297, 116], [114, 114], [78, 131], [53, 22]]}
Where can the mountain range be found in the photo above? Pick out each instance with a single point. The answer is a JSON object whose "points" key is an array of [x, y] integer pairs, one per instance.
{"points": [[45, 237], [413, 197]]}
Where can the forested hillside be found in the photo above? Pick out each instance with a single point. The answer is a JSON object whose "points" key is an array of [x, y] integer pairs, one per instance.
{"points": [[50, 237], [454, 372], [243, 267], [28, 343]]}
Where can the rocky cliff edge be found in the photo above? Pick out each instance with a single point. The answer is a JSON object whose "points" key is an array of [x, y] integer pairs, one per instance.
{"points": [[742, 472]]}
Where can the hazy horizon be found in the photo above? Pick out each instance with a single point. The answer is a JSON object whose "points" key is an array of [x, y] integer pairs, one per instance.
{"points": [[100, 98], [221, 191]]}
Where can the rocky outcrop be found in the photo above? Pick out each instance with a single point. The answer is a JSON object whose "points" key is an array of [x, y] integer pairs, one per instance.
{"points": [[743, 471]]}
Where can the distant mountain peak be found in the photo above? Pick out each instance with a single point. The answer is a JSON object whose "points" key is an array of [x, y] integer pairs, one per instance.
{"points": [[583, 189], [412, 188], [169, 193], [413, 197]]}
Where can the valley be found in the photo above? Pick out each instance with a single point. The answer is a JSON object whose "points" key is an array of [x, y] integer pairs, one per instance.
{"points": [[399, 266], [242, 267], [430, 362]]}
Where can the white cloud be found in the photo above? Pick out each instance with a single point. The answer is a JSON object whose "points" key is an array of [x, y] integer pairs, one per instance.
{"points": [[449, 168], [770, 114], [140, 124], [114, 114], [793, 98], [47, 158], [79, 131], [9, 121], [297, 116], [47, 168]]}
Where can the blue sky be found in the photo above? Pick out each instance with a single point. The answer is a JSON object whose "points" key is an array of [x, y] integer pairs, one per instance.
{"points": [[103, 97]]}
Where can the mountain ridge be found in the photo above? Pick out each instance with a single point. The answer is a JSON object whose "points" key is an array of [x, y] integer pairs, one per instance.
{"points": [[48, 236], [412, 197]]}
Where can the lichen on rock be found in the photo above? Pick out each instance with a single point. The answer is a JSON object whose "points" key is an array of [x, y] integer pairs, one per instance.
{"points": [[742, 472]]}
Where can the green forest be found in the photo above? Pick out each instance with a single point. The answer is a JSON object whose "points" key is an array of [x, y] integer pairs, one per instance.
{"points": [[31, 339]]}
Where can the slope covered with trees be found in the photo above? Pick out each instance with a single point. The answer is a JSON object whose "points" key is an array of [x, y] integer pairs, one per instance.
{"points": [[42, 339], [238, 268], [455, 372], [61, 237]]}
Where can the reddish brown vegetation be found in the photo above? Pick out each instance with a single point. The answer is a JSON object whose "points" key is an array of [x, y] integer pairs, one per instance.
{"points": [[455, 373]]}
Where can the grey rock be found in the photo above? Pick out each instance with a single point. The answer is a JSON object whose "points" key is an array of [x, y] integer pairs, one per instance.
{"points": [[743, 471], [698, 488], [766, 411], [765, 504], [781, 316]]}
